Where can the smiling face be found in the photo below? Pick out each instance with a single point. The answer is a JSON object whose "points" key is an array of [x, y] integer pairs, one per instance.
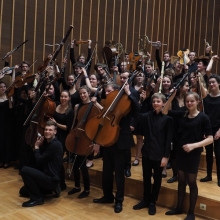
{"points": [[93, 80], [157, 104], [84, 95], [213, 85], [191, 102], [64, 98], [50, 132], [2, 88]]}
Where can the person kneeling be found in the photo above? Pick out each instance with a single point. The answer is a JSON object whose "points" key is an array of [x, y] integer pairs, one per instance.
{"points": [[48, 154]]}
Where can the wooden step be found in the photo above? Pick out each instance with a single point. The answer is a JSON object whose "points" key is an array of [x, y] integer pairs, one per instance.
{"points": [[209, 192]]}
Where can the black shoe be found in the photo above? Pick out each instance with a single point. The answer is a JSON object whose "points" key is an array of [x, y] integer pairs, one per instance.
{"points": [[31, 203], [190, 217], [174, 212], [142, 204], [57, 191], [127, 172], [103, 200], [83, 194], [206, 179], [74, 190], [164, 175], [172, 179], [62, 186], [168, 166], [118, 207], [152, 209]]}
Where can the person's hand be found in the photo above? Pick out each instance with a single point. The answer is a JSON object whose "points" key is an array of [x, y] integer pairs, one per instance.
{"points": [[217, 135], [164, 161], [96, 149], [89, 42], [188, 147], [127, 89], [38, 142], [158, 45]]}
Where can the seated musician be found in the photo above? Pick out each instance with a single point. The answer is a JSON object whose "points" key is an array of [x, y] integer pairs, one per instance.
{"points": [[38, 181]]}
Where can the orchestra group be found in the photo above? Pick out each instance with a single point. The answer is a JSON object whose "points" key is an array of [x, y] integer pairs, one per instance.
{"points": [[171, 109]]}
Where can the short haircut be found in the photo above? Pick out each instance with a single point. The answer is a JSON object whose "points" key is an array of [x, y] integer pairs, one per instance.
{"points": [[86, 88], [51, 123], [158, 96], [216, 77]]}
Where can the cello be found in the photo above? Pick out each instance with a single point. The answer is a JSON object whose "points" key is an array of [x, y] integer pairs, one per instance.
{"points": [[77, 141], [104, 128], [46, 108]]}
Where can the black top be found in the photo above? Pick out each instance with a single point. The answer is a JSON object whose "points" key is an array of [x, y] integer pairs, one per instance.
{"points": [[157, 132], [191, 130], [64, 119], [125, 139], [49, 158], [212, 109], [159, 62]]}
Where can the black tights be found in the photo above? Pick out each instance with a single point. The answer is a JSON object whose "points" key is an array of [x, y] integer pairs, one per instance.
{"points": [[185, 178]]}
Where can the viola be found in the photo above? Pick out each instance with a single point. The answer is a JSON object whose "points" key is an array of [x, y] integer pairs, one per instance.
{"points": [[104, 128]]}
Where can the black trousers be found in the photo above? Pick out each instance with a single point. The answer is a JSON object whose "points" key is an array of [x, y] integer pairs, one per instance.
{"points": [[114, 161], [37, 182], [209, 157], [80, 164], [151, 191]]}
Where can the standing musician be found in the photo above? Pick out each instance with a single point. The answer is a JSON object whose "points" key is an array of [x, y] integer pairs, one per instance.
{"points": [[115, 157], [82, 59], [80, 140], [45, 178], [166, 58], [63, 118]]}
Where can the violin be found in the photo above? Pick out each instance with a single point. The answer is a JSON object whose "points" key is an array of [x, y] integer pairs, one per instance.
{"points": [[20, 81], [77, 141], [133, 60], [104, 128]]}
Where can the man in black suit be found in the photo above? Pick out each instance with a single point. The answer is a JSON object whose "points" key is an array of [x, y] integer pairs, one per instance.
{"points": [[115, 157], [48, 153]]}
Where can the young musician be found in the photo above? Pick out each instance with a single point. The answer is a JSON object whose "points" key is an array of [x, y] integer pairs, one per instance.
{"points": [[212, 108], [48, 153], [115, 158], [194, 132], [157, 131], [80, 160]]}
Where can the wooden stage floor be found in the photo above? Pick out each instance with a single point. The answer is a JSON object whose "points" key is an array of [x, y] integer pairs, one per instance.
{"points": [[70, 207]]}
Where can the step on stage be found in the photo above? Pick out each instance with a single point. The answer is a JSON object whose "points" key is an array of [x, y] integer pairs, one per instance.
{"points": [[208, 203]]}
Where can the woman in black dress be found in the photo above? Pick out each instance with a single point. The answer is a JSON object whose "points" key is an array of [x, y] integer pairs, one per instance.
{"points": [[194, 132], [212, 109], [5, 116], [63, 117]]}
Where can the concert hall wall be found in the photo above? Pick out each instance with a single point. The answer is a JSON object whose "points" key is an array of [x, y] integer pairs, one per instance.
{"points": [[178, 23]]}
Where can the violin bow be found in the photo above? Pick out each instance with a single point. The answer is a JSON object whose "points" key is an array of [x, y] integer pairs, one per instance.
{"points": [[12, 51]]}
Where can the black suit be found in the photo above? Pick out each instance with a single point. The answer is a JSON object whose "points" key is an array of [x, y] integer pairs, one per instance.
{"points": [[115, 157], [45, 177]]}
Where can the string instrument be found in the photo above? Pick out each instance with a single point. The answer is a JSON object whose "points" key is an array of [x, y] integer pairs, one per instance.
{"points": [[147, 84], [104, 128], [46, 108], [20, 81], [6, 71], [183, 56], [133, 60], [77, 141]]}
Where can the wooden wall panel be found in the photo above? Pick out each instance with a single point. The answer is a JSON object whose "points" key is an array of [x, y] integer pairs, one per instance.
{"points": [[179, 23]]}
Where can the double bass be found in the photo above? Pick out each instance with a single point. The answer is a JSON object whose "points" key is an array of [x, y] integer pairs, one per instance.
{"points": [[104, 128]]}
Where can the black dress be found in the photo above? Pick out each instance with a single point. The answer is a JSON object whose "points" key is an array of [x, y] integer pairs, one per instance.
{"points": [[191, 130], [64, 119], [5, 124]]}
